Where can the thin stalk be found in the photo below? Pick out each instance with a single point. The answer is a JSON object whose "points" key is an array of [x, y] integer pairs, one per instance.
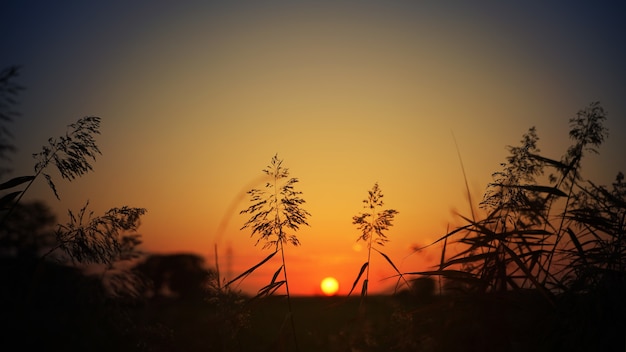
{"points": [[282, 254], [217, 268], [293, 324], [30, 183], [469, 194], [369, 249], [443, 256], [560, 228]]}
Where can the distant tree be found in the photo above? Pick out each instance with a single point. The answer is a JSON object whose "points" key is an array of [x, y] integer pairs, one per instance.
{"points": [[182, 275], [29, 231]]}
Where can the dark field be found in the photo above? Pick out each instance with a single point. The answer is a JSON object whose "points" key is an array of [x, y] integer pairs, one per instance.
{"points": [[512, 322], [64, 310]]}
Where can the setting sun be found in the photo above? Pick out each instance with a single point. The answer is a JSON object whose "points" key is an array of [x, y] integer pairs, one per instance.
{"points": [[329, 286]]}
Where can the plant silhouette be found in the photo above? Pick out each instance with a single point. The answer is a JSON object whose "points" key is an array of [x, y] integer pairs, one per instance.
{"points": [[70, 154], [46, 265], [551, 234], [102, 239], [275, 210], [85, 238], [373, 223]]}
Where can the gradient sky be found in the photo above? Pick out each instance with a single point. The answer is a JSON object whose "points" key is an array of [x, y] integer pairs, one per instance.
{"points": [[198, 96]]}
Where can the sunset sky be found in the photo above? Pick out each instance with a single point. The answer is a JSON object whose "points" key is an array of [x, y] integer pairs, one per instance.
{"points": [[196, 97]]}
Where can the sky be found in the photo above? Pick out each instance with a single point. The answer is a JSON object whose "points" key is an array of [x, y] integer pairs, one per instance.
{"points": [[196, 97]]}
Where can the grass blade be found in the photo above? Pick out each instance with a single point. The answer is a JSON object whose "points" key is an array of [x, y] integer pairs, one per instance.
{"points": [[388, 260], [16, 181], [577, 244], [358, 277], [364, 288], [276, 274], [7, 199], [537, 188], [249, 271]]}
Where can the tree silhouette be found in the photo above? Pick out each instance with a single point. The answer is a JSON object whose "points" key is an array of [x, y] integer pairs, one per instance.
{"points": [[182, 275], [29, 231]]}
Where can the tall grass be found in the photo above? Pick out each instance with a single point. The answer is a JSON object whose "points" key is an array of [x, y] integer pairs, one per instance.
{"points": [[275, 210], [373, 223], [85, 239], [548, 230]]}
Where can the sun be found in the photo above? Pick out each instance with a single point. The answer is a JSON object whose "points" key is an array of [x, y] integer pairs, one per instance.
{"points": [[329, 286]]}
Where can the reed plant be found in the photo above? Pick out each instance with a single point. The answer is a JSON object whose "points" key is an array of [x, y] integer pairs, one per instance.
{"points": [[85, 239], [373, 223], [276, 214], [103, 239], [546, 229], [513, 246]]}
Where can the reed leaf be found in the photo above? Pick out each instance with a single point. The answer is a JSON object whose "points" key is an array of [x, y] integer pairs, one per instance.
{"points": [[269, 289], [6, 202], [444, 238], [276, 274], [549, 161], [443, 253], [546, 293], [363, 267], [457, 275], [364, 288], [388, 260], [400, 276], [252, 269], [579, 247], [16, 181], [460, 274], [536, 188], [469, 259]]}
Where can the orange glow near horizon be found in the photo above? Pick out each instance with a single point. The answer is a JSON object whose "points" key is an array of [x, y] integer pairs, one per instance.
{"points": [[195, 102]]}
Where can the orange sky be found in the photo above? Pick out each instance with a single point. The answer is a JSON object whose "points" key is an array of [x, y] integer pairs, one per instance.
{"points": [[196, 99]]}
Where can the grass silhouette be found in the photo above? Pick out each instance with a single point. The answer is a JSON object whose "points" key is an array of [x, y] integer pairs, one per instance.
{"points": [[47, 280], [561, 241], [373, 223], [540, 267], [276, 209]]}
